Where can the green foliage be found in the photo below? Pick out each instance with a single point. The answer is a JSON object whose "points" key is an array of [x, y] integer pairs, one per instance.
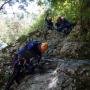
{"points": [[9, 30], [40, 2], [88, 36], [38, 25], [76, 36], [12, 30], [74, 10], [68, 8], [22, 39]]}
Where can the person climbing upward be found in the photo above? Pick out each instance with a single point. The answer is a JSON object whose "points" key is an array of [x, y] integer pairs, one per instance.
{"points": [[48, 25], [33, 49], [62, 23], [48, 22], [23, 57]]}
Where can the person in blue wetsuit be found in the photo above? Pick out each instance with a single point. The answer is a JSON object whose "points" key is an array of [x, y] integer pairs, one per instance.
{"points": [[62, 24], [58, 24], [23, 57], [33, 49]]}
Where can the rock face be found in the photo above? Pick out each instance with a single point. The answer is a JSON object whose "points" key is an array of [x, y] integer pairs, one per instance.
{"points": [[54, 39], [60, 46], [75, 50], [68, 75]]}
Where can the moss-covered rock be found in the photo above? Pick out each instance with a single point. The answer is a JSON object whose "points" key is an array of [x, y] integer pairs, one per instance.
{"points": [[76, 50]]}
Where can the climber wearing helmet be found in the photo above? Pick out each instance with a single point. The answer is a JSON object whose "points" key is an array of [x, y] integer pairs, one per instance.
{"points": [[33, 50]]}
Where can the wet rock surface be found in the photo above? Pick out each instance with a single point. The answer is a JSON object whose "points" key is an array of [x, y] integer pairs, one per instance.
{"points": [[66, 75]]}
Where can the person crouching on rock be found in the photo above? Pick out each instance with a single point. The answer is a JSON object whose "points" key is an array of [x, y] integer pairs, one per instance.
{"points": [[33, 50], [23, 59]]}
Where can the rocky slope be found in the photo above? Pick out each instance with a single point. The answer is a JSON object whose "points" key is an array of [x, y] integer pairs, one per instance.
{"points": [[62, 46], [67, 73]]}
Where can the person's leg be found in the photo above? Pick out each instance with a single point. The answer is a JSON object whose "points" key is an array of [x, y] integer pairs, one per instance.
{"points": [[29, 68], [20, 74], [10, 81], [18, 78]]}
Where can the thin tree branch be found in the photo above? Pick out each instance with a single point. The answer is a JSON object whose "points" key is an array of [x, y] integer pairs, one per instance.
{"points": [[7, 1]]}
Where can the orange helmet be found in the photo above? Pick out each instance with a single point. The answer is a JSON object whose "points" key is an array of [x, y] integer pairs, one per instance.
{"points": [[43, 47]]}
